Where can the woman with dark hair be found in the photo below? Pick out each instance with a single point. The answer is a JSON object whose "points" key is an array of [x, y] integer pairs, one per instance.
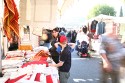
{"points": [[55, 39], [74, 34], [48, 37], [85, 29]]}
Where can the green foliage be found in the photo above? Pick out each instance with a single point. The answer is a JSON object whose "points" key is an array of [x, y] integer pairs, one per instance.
{"points": [[101, 9]]}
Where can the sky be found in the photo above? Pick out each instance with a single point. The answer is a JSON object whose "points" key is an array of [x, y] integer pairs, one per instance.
{"points": [[77, 14]]}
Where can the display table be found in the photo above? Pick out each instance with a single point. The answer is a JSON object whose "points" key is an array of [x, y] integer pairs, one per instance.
{"points": [[25, 47], [33, 71], [30, 72]]}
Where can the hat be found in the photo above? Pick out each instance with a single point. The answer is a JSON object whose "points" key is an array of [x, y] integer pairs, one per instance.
{"points": [[63, 39]]}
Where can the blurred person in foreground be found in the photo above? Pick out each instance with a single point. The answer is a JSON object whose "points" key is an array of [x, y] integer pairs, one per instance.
{"points": [[64, 65], [111, 51]]}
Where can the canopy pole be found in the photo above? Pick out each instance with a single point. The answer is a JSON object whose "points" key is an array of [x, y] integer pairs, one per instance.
{"points": [[1, 75]]}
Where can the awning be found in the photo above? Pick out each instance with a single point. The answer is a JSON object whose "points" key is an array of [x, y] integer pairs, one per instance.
{"points": [[64, 5], [105, 18]]}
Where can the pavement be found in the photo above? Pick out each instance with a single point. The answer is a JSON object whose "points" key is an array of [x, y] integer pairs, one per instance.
{"points": [[85, 70]]}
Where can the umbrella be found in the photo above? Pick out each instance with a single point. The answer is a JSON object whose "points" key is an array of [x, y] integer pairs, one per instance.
{"points": [[10, 20]]}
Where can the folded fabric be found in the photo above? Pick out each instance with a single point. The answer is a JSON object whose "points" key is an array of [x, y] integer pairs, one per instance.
{"points": [[14, 80], [34, 62], [49, 79], [38, 77]]}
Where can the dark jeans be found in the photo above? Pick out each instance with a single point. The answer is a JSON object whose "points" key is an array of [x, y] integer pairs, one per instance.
{"points": [[77, 44]]}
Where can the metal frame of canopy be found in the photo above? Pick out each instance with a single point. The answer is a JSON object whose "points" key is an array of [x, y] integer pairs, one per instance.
{"points": [[107, 18], [1, 75], [119, 19], [103, 17]]}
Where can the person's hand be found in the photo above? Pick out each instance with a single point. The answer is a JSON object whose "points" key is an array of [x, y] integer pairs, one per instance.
{"points": [[107, 67], [52, 65], [56, 44], [72, 45]]}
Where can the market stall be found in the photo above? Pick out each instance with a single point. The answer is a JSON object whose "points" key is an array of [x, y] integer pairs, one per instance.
{"points": [[29, 67], [96, 27]]}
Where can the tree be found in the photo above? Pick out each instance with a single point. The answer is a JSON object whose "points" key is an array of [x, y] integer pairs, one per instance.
{"points": [[101, 9], [121, 12]]}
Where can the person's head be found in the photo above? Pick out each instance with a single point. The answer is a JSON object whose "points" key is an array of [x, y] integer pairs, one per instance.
{"points": [[44, 31], [81, 29], [110, 27], [84, 29], [55, 32], [63, 40]]}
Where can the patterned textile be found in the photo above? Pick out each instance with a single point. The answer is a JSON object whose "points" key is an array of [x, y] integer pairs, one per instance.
{"points": [[25, 47], [10, 21], [42, 53]]}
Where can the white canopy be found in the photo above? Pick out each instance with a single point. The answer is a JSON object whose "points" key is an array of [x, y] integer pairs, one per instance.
{"points": [[107, 18], [119, 19]]}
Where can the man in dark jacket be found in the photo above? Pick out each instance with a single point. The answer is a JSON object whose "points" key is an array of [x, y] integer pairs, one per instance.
{"points": [[64, 64]]}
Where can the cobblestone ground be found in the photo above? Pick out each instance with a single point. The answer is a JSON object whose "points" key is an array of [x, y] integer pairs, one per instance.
{"points": [[85, 70]]}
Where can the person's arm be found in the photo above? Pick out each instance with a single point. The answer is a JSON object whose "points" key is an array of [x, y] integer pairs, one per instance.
{"points": [[72, 45], [58, 47], [58, 64], [56, 44], [77, 37], [53, 41], [64, 56], [106, 63]]}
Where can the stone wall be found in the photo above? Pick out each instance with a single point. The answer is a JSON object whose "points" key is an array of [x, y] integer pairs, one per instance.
{"points": [[37, 14]]}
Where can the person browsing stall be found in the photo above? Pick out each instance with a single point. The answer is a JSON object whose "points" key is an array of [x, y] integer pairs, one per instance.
{"points": [[64, 65], [52, 50]]}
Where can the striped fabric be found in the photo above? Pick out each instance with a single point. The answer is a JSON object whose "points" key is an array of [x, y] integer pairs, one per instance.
{"points": [[10, 21], [23, 79]]}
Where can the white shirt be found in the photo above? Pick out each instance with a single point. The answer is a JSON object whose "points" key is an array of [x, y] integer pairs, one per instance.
{"points": [[82, 37]]}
